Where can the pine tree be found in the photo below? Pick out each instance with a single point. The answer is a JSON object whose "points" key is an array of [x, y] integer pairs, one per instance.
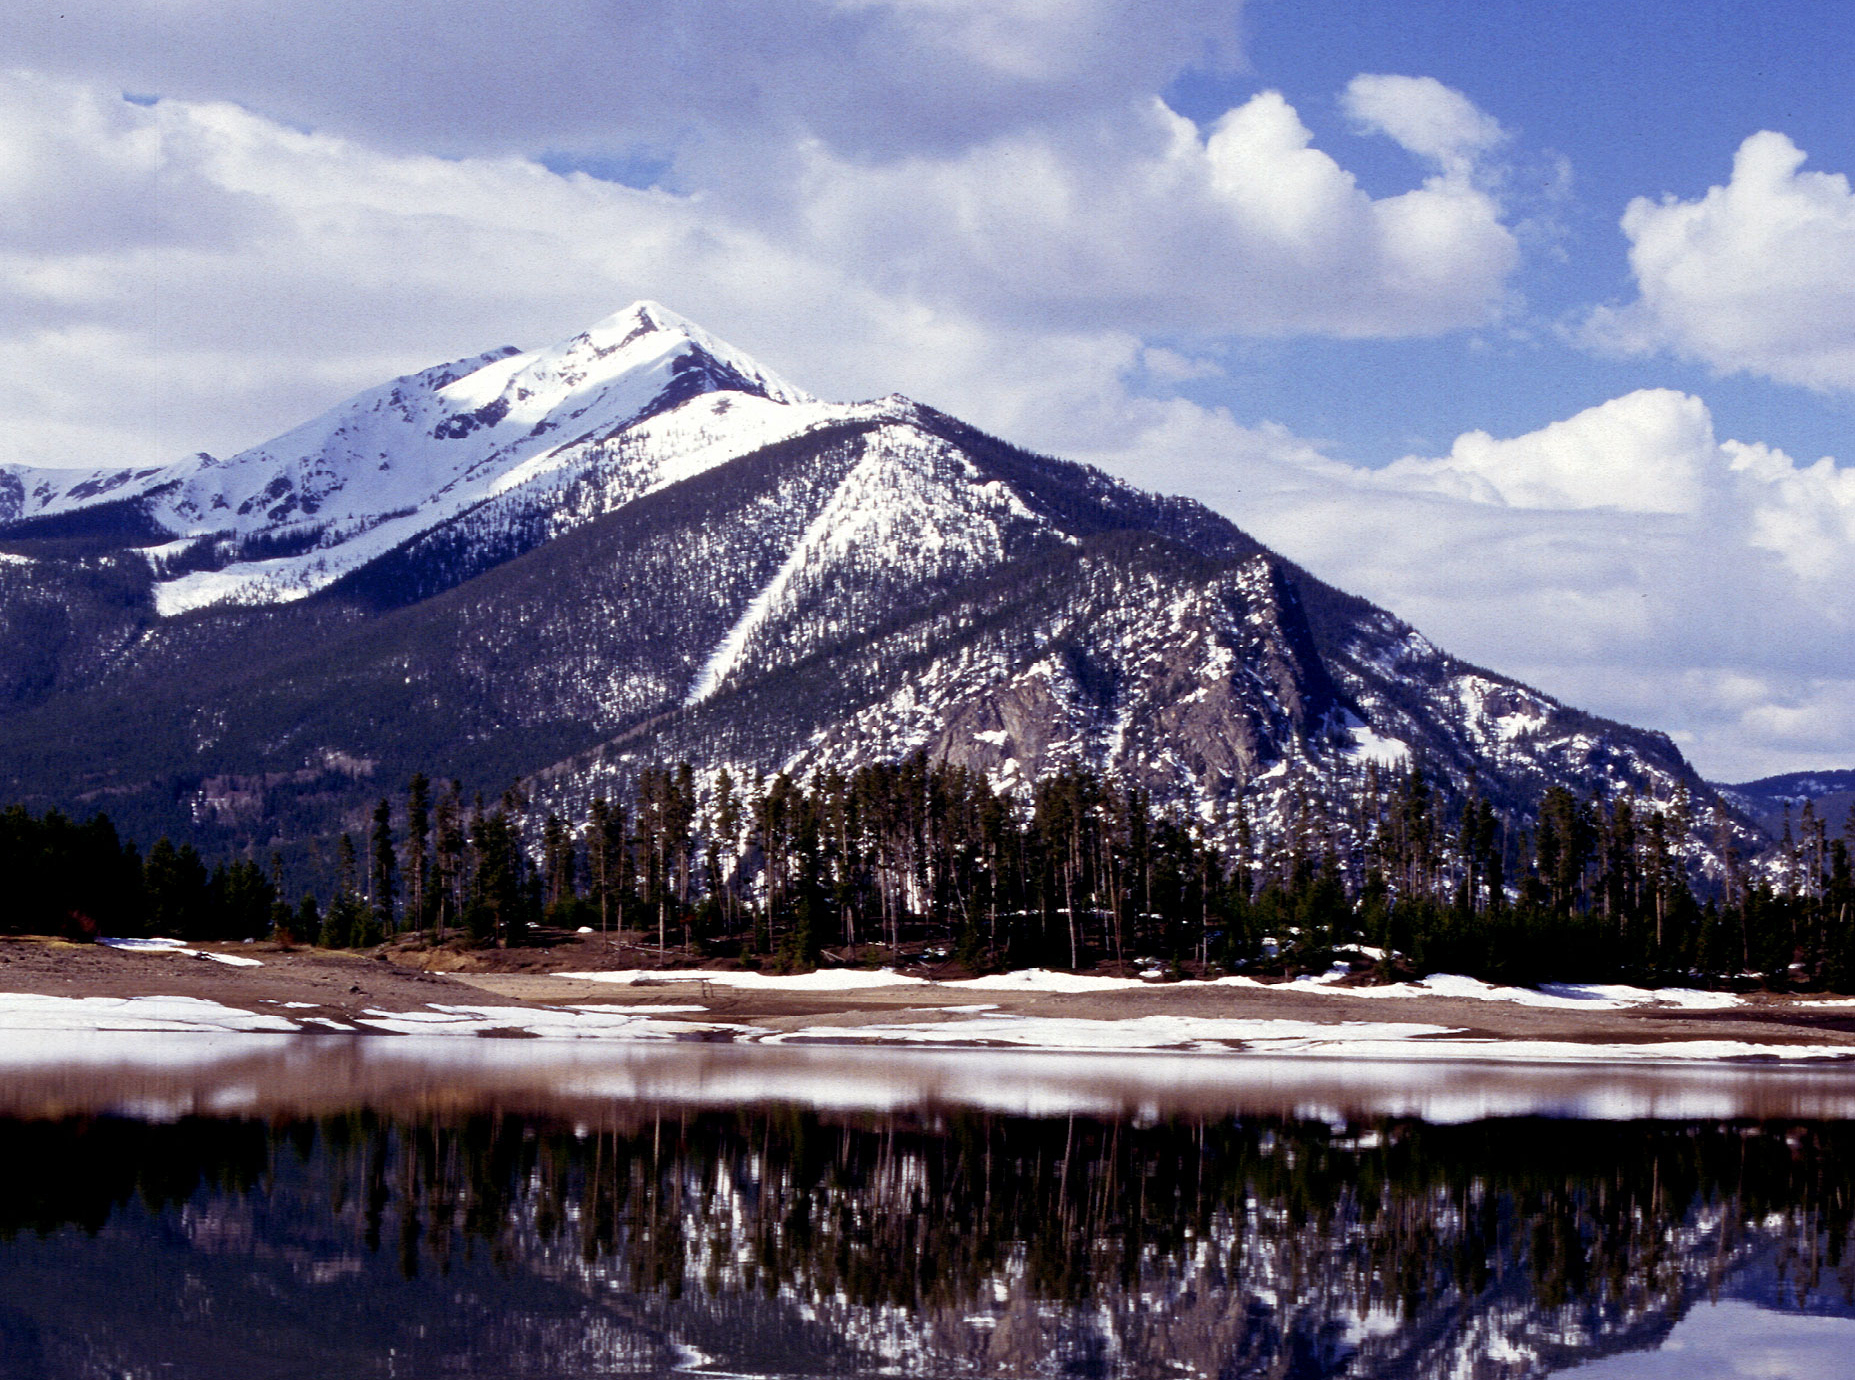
{"points": [[381, 882], [606, 845], [418, 829], [449, 859], [346, 923], [175, 883]]}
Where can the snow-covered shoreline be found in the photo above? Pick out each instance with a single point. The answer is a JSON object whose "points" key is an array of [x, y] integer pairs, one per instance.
{"points": [[30, 1025]]}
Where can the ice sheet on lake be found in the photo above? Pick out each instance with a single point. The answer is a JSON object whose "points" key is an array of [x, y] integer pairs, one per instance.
{"points": [[31, 1024], [1389, 1040]]}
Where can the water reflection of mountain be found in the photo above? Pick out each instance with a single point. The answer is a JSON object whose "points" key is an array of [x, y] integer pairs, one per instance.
{"points": [[780, 1241]]}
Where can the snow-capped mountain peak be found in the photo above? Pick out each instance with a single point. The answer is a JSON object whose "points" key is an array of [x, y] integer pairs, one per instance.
{"points": [[640, 360], [297, 513]]}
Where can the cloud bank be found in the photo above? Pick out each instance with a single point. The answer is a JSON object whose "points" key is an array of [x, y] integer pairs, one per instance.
{"points": [[873, 78], [191, 275]]}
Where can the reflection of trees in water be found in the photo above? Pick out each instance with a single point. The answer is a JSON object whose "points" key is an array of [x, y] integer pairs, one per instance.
{"points": [[1278, 1244]]}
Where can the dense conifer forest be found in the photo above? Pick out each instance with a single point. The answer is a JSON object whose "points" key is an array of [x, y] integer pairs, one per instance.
{"points": [[920, 863]]}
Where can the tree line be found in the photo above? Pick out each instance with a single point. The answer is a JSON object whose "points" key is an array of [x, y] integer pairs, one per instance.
{"points": [[916, 859]]}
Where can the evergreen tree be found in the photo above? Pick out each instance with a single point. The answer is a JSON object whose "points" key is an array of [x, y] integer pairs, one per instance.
{"points": [[418, 832], [383, 872]]}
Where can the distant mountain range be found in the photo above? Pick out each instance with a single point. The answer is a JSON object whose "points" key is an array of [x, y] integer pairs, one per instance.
{"points": [[1771, 800], [640, 545]]}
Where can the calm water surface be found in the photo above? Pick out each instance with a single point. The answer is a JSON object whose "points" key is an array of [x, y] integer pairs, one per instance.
{"points": [[196, 1206]]}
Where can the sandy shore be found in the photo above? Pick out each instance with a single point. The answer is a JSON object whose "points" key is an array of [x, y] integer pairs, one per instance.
{"points": [[316, 991]]}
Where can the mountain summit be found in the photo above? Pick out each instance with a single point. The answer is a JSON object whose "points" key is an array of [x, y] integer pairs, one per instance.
{"points": [[640, 545]]}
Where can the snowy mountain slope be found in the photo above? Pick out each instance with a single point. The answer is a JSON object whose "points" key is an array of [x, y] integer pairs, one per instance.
{"points": [[1201, 680], [640, 545]]}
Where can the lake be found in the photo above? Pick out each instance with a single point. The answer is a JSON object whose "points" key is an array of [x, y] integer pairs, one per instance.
{"points": [[257, 1207]]}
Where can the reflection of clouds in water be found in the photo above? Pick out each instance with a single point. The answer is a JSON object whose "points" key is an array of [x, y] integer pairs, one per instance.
{"points": [[1726, 1341]]}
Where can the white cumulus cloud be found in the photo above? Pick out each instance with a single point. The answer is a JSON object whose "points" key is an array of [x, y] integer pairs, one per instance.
{"points": [[871, 77], [1144, 218], [1639, 453], [1755, 277]]}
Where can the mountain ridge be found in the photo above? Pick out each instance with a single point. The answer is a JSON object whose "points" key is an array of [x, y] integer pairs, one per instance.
{"points": [[716, 565]]}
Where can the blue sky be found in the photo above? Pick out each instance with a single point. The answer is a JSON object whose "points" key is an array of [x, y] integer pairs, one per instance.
{"points": [[1531, 322]]}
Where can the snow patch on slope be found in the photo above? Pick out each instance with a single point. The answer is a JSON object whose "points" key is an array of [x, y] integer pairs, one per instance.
{"points": [[894, 511]]}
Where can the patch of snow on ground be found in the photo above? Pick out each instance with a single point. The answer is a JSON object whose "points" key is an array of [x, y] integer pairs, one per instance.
{"points": [[234, 960], [1686, 998], [179, 946], [1045, 980], [824, 980], [1567, 996], [1564, 996], [1370, 747]]}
